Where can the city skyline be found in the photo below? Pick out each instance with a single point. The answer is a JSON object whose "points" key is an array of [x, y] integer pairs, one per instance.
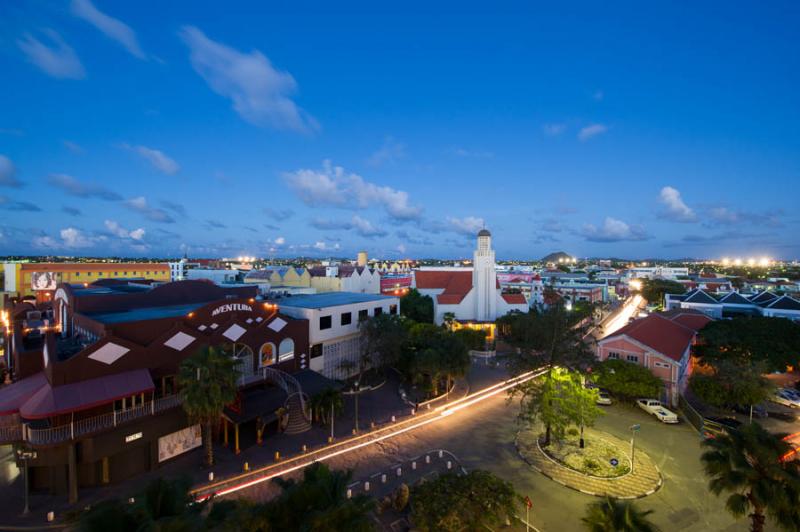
{"points": [[155, 130]]}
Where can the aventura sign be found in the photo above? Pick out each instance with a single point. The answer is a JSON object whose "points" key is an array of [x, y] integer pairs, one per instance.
{"points": [[231, 307]]}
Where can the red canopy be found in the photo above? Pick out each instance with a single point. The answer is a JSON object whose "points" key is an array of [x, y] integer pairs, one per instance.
{"points": [[51, 401], [13, 395]]}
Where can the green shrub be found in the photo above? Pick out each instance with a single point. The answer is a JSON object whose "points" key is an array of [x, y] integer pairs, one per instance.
{"points": [[401, 495], [572, 431]]}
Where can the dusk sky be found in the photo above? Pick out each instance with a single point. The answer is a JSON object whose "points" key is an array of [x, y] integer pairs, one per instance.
{"points": [[638, 130]]}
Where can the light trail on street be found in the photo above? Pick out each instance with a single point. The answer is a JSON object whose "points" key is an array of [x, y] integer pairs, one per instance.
{"points": [[625, 314], [275, 470]]}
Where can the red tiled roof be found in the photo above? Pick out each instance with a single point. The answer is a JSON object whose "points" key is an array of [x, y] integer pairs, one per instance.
{"points": [[659, 333], [456, 284], [514, 299]]}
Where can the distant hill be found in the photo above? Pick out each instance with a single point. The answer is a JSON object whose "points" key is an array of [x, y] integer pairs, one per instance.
{"points": [[553, 257]]}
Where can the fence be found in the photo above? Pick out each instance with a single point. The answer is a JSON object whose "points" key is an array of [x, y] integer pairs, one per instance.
{"points": [[692, 415]]}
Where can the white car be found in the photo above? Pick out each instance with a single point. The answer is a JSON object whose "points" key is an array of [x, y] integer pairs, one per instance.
{"points": [[603, 398], [786, 397], [654, 407]]}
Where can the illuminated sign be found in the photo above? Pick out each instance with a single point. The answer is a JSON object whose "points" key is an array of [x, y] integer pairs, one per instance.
{"points": [[133, 437], [231, 307], [179, 442], [43, 281]]}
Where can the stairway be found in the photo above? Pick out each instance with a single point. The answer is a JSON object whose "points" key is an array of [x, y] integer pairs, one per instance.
{"points": [[298, 421]]}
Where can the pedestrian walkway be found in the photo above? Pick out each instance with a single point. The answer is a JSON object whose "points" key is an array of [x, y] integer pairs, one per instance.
{"points": [[644, 480]]}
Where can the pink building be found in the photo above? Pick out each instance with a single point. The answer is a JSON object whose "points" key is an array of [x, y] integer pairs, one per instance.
{"points": [[660, 342]]}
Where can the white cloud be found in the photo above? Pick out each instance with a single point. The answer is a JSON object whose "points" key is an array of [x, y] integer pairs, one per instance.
{"points": [[331, 186], [8, 173], [74, 238], [112, 28], [280, 241], [73, 187], [390, 151], [726, 216], [259, 92], [554, 130], [323, 246], [365, 228], [140, 205], [401, 248], [58, 59], [469, 225], [361, 226], [613, 230], [591, 131], [46, 242], [158, 159], [72, 146], [674, 207], [120, 232]]}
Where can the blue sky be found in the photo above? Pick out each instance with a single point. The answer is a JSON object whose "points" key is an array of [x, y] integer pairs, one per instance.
{"points": [[638, 130]]}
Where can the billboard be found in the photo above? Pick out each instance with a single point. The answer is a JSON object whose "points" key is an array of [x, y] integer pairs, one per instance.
{"points": [[43, 281], [179, 442]]}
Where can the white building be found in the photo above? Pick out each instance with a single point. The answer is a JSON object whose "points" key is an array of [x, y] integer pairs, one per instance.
{"points": [[217, 276], [656, 272], [472, 295], [333, 319], [345, 278], [177, 270]]}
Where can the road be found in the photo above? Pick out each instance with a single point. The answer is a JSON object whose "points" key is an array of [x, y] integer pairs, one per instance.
{"points": [[482, 436]]}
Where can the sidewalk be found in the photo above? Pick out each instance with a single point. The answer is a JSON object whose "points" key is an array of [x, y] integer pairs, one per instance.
{"points": [[643, 481]]}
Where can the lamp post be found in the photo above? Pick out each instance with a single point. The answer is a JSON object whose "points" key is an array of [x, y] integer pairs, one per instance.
{"points": [[25, 455], [358, 392], [634, 429]]}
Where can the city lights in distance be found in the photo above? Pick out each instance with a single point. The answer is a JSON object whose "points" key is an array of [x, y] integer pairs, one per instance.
{"points": [[762, 262]]}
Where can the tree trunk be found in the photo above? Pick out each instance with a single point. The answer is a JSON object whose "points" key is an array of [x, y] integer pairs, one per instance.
{"points": [[208, 443], [757, 520], [547, 435]]}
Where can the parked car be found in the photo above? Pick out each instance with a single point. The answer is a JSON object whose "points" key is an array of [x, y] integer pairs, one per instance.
{"points": [[759, 411], [716, 426], [654, 407], [782, 415], [786, 397], [603, 398]]}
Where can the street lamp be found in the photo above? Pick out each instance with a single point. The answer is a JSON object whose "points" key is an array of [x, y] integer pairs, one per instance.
{"points": [[358, 392], [634, 429], [25, 455]]}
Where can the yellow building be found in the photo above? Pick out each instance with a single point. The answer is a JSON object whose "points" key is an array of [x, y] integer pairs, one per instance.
{"points": [[277, 277], [34, 278]]}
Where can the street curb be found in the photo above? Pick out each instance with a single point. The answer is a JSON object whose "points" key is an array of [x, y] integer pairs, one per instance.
{"points": [[587, 492]]}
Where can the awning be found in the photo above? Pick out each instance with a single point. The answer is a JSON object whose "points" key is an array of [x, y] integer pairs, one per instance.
{"points": [[14, 395], [52, 401]]}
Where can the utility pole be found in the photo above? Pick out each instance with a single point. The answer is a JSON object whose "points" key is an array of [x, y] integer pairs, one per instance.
{"points": [[634, 430], [26, 455], [358, 392]]}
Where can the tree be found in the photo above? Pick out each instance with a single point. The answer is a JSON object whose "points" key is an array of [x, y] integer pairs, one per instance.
{"points": [[417, 307], [559, 402], [431, 353], [207, 383], [475, 501], [653, 290], [328, 402], [751, 465], [746, 340], [627, 380], [474, 339], [162, 505], [382, 340], [319, 502], [613, 515], [728, 383]]}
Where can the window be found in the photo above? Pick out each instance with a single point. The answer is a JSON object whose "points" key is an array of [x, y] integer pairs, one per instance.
{"points": [[377, 312], [325, 322], [392, 309], [77, 274], [363, 315], [347, 318], [613, 355], [632, 358], [266, 355], [316, 350], [286, 349]]}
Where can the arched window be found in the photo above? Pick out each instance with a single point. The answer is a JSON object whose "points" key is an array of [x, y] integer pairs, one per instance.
{"points": [[267, 354], [286, 350]]}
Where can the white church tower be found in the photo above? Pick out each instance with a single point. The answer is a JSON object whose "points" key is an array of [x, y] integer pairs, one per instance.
{"points": [[484, 278]]}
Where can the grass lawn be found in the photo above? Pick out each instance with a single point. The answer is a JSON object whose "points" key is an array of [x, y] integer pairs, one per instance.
{"points": [[594, 459]]}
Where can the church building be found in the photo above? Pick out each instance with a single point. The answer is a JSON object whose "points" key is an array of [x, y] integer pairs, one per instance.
{"points": [[472, 295]]}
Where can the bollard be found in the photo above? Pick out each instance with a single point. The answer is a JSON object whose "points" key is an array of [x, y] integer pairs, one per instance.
{"points": [[427, 459], [131, 500], [429, 406], [277, 455], [393, 419], [305, 447], [414, 465], [330, 440], [246, 466], [413, 411], [51, 516], [449, 464], [355, 432], [366, 486], [399, 471], [383, 478], [349, 493], [372, 424], [211, 476], [441, 454]]}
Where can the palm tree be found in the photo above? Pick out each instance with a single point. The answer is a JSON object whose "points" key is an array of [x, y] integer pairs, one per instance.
{"points": [[330, 400], [207, 382], [758, 470], [613, 515]]}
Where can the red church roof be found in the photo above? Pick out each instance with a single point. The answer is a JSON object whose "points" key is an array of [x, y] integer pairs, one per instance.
{"points": [[514, 299], [456, 284]]}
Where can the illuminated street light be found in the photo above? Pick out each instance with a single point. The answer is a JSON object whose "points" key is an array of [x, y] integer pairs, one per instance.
{"points": [[726, 261], [738, 262], [751, 262], [763, 262]]}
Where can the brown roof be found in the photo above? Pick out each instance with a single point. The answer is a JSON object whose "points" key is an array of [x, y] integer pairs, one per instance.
{"points": [[456, 284], [514, 299], [660, 333]]}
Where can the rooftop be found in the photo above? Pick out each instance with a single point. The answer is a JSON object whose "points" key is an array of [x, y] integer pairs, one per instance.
{"points": [[149, 313], [330, 299]]}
